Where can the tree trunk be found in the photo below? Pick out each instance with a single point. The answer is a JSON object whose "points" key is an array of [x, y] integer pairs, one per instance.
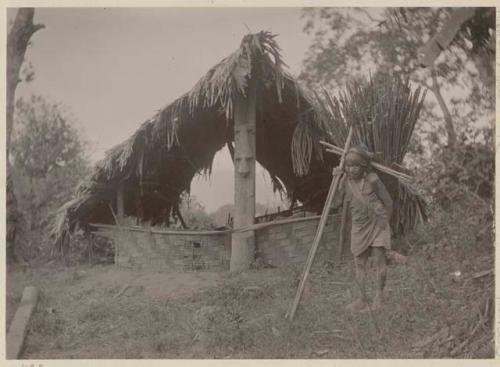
{"points": [[32, 206], [484, 60], [428, 53], [17, 42], [450, 128]]}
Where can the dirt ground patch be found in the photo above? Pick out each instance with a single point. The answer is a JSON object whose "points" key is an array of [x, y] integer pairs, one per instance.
{"points": [[156, 285], [104, 312]]}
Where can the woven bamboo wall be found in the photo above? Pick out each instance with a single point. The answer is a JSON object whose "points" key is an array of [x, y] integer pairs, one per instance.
{"points": [[278, 243]]}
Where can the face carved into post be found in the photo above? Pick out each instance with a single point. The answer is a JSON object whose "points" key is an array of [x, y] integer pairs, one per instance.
{"points": [[243, 155]]}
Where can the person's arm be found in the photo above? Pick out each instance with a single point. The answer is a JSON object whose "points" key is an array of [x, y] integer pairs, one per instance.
{"points": [[382, 194]]}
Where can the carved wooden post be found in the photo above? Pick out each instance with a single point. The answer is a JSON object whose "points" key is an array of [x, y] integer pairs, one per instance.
{"points": [[243, 243]]}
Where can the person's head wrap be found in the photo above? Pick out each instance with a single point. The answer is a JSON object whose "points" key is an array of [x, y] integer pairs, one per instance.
{"points": [[360, 154]]}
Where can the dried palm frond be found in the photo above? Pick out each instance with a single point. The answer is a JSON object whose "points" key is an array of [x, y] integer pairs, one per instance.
{"points": [[258, 54], [309, 131]]}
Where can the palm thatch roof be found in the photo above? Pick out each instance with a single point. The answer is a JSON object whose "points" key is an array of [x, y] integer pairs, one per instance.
{"points": [[158, 162]]}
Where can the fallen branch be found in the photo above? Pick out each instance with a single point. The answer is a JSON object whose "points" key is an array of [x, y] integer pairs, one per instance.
{"points": [[341, 337], [459, 347], [443, 341], [124, 288], [327, 331], [481, 274], [19, 325], [431, 339]]}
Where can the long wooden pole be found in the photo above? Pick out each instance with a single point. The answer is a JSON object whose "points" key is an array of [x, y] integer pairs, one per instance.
{"points": [[343, 223], [321, 226]]}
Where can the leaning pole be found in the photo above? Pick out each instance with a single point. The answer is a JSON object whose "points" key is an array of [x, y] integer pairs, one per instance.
{"points": [[243, 241]]}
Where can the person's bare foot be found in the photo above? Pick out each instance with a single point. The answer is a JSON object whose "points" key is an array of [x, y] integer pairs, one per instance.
{"points": [[357, 305], [396, 257]]}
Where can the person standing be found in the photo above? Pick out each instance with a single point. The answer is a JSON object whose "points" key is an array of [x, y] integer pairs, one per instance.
{"points": [[371, 210]]}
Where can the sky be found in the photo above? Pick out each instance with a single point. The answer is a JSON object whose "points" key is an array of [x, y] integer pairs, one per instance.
{"points": [[114, 68]]}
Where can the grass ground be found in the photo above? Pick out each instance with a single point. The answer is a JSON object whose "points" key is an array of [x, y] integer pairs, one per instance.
{"points": [[104, 312]]}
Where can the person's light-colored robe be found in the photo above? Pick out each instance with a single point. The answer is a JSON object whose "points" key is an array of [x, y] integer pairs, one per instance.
{"points": [[371, 209]]}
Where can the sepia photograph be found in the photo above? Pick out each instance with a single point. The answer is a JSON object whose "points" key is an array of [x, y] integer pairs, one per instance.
{"points": [[312, 183]]}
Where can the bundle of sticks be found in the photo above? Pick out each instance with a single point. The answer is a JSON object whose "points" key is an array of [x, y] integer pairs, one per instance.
{"points": [[383, 112], [399, 175]]}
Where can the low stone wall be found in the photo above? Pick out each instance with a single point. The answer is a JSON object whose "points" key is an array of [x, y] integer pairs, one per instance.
{"points": [[277, 243]]}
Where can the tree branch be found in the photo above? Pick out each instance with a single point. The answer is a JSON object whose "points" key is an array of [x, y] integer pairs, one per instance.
{"points": [[450, 128], [369, 16], [17, 43]]}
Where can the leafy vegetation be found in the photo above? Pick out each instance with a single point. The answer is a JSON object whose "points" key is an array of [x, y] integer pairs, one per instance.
{"points": [[351, 43], [49, 159]]}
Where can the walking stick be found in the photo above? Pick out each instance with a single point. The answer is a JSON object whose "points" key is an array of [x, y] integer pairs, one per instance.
{"points": [[319, 232]]}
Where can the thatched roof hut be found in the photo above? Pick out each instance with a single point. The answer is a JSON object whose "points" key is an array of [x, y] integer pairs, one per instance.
{"points": [[156, 165], [158, 162]]}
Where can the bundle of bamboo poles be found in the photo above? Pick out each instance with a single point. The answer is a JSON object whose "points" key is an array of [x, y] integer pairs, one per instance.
{"points": [[383, 112]]}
